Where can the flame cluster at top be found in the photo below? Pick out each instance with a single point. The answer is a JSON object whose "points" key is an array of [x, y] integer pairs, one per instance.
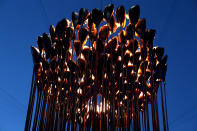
{"points": [[108, 53]]}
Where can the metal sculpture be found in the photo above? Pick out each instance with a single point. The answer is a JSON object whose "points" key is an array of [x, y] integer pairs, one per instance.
{"points": [[98, 74]]}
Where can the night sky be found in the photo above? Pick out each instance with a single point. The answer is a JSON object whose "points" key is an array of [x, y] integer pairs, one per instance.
{"points": [[22, 21]]}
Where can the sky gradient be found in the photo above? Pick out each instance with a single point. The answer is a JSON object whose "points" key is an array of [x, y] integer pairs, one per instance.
{"points": [[22, 21]]}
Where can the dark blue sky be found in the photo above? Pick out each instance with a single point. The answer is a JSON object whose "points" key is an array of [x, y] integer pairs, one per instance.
{"points": [[21, 21]]}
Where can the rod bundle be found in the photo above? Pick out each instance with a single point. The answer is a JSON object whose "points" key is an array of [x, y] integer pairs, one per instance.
{"points": [[98, 73]]}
